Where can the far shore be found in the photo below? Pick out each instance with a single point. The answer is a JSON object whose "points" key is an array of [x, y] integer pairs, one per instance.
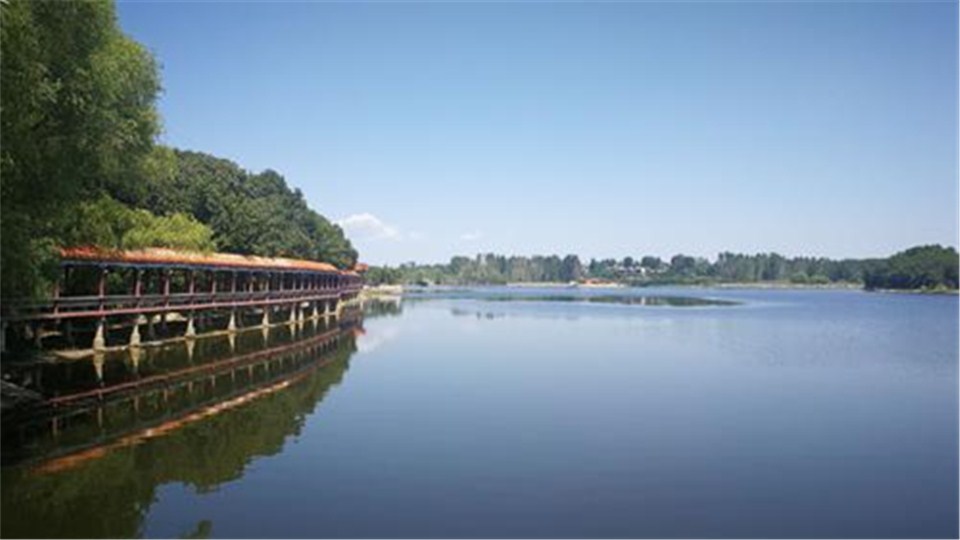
{"points": [[392, 290]]}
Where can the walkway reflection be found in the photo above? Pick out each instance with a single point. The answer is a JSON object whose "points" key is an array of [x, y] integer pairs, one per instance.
{"points": [[123, 425]]}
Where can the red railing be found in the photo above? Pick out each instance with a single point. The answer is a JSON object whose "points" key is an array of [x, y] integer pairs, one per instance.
{"points": [[102, 306]]}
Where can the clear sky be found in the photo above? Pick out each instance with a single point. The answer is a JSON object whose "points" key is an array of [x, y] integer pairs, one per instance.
{"points": [[603, 129]]}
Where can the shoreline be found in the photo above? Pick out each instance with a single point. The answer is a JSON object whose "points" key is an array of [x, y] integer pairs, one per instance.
{"points": [[397, 290]]}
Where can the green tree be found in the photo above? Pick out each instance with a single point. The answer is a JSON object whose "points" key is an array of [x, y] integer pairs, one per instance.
{"points": [[108, 223], [78, 118], [256, 214], [921, 267]]}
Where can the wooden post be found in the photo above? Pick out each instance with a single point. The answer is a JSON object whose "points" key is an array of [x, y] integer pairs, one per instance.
{"points": [[166, 286], [102, 288], [138, 284], [166, 299], [56, 296]]}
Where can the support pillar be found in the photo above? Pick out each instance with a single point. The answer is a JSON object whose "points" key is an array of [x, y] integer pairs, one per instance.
{"points": [[266, 317], [232, 323], [191, 330], [98, 360], [135, 335], [99, 338], [293, 313], [135, 354], [315, 315]]}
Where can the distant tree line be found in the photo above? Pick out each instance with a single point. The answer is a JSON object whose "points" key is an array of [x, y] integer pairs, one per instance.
{"points": [[924, 267], [79, 162]]}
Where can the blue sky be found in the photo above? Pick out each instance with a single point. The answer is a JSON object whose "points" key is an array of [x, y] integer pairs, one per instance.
{"points": [[604, 129]]}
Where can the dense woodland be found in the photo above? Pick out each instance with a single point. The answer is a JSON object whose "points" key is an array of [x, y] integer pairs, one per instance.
{"points": [[80, 165], [923, 267]]}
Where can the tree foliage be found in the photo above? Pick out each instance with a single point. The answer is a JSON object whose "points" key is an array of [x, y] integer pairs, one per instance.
{"points": [[917, 268], [111, 224], [921, 267], [77, 115], [79, 122], [249, 213]]}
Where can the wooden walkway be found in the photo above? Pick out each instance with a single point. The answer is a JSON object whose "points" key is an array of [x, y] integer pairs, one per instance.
{"points": [[106, 293]]}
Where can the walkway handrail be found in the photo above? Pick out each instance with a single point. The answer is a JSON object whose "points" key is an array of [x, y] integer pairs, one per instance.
{"points": [[89, 306]]}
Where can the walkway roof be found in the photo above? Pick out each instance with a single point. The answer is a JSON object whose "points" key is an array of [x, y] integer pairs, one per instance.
{"points": [[171, 257]]}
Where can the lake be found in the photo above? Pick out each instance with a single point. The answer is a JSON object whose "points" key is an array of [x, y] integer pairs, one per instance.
{"points": [[505, 412]]}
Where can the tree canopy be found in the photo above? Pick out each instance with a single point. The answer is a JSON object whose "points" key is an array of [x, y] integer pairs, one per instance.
{"points": [[79, 125], [78, 118], [921, 267], [249, 213]]}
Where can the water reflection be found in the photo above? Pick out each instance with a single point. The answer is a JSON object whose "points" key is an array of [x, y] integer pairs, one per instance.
{"points": [[629, 297], [125, 424], [629, 300], [815, 414]]}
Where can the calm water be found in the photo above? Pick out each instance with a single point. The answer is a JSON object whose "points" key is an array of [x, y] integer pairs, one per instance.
{"points": [[770, 414]]}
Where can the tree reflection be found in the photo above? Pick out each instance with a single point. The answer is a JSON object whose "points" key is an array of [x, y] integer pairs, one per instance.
{"points": [[100, 473]]}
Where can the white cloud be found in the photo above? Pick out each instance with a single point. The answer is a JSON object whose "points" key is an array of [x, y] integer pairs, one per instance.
{"points": [[368, 226], [471, 236], [374, 339]]}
